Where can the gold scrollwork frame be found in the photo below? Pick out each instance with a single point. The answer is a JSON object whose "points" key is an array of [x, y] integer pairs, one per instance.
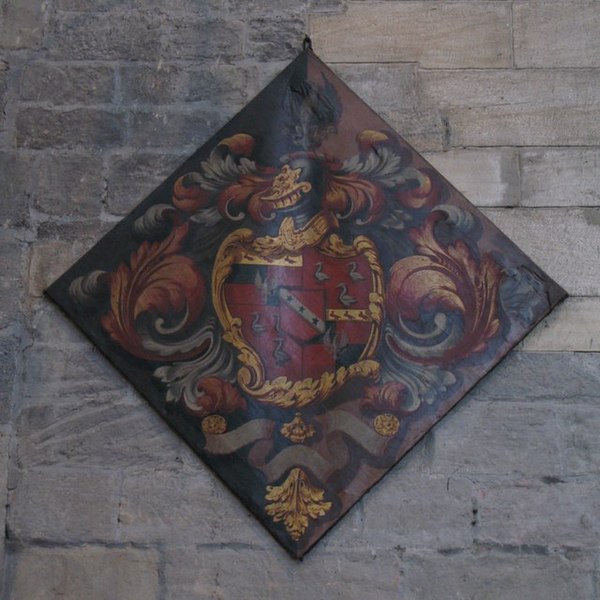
{"points": [[290, 241]]}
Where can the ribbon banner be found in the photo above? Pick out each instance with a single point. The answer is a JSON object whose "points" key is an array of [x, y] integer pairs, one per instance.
{"points": [[303, 299]]}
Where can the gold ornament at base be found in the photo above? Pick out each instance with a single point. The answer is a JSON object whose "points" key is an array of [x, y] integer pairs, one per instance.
{"points": [[294, 502], [386, 424]]}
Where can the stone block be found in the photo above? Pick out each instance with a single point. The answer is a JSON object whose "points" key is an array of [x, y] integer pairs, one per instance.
{"points": [[560, 241], [360, 574], [21, 24], [12, 251], [63, 505], [423, 130], [221, 571], [90, 572], [173, 130], [49, 325], [66, 83], [497, 438], [411, 509], [551, 512], [540, 377], [580, 426], [560, 176], [81, 233], [158, 83], [486, 176], [436, 35], [91, 5], [166, 6], [10, 348], [132, 177], [496, 575], [17, 175], [556, 34], [174, 507], [573, 327], [218, 83], [70, 186], [238, 572], [66, 375], [48, 260], [517, 88], [522, 107], [108, 429], [262, 7], [512, 125], [194, 39], [3, 98], [275, 38], [382, 86], [205, 8], [316, 6], [4, 452], [93, 36], [42, 128]]}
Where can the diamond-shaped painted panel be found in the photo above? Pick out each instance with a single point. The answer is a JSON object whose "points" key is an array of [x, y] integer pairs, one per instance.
{"points": [[303, 299]]}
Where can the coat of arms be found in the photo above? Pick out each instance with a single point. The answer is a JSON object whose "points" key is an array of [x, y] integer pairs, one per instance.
{"points": [[303, 299]]}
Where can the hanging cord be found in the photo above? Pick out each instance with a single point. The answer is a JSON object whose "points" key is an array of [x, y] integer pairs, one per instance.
{"points": [[307, 44]]}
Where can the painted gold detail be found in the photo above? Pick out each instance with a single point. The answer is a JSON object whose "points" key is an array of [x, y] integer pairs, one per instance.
{"points": [[289, 243], [286, 189], [294, 502], [297, 430], [386, 425], [255, 259], [344, 314], [214, 424]]}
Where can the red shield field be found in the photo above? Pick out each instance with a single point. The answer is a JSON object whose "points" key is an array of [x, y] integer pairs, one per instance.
{"points": [[306, 315]]}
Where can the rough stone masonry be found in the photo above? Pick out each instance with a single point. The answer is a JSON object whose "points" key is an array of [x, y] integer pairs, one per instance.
{"points": [[100, 100]]}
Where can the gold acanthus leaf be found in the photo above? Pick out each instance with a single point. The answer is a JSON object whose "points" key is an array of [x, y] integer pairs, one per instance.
{"points": [[294, 502]]}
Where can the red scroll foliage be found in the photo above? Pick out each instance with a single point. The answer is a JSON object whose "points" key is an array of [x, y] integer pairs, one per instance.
{"points": [[158, 281], [216, 396], [248, 193], [445, 279], [353, 195], [388, 397]]}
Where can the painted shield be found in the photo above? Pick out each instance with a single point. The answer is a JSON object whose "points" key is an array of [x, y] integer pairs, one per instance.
{"points": [[303, 299], [303, 310]]}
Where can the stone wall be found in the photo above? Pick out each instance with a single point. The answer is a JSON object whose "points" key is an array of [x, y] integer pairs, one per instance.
{"points": [[100, 100]]}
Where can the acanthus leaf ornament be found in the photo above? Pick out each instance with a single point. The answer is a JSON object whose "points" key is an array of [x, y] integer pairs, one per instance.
{"points": [[442, 278], [295, 503]]}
